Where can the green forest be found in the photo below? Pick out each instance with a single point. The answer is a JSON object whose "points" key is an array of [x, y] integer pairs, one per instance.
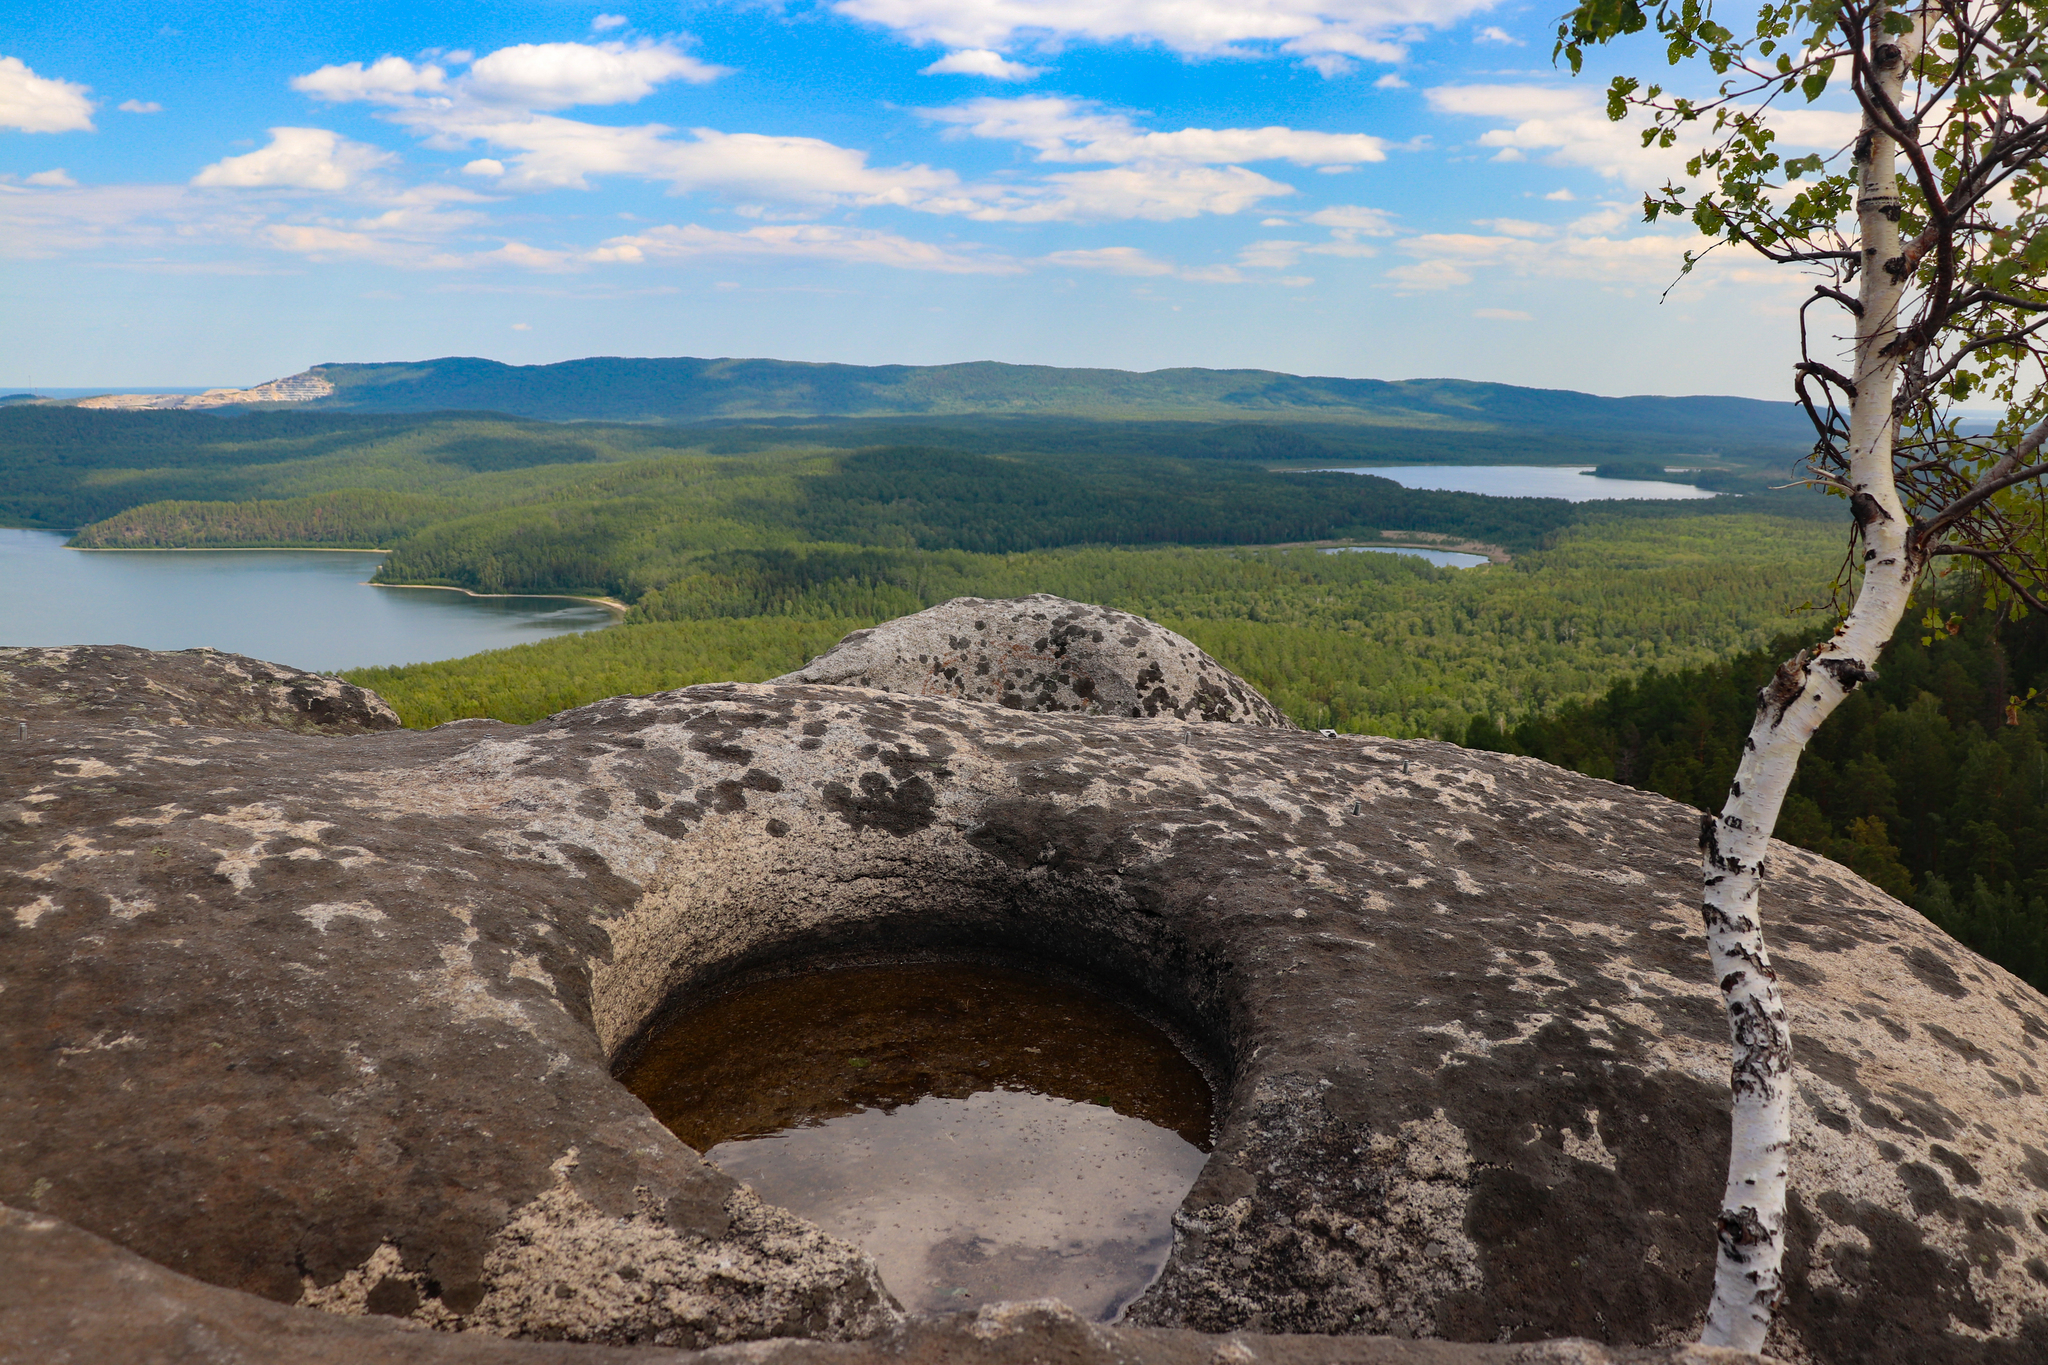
{"points": [[1931, 782], [1358, 642], [1623, 640]]}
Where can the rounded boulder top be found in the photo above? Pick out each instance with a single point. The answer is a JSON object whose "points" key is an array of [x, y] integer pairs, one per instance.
{"points": [[1043, 653]]}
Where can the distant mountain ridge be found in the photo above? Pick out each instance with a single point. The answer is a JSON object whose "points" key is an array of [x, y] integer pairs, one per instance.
{"points": [[691, 390]]}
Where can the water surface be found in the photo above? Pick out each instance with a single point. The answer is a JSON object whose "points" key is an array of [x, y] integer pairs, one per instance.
{"points": [[985, 1134], [1446, 559], [1568, 482], [307, 608]]}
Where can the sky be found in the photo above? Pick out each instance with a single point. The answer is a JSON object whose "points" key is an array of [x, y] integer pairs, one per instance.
{"points": [[212, 194]]}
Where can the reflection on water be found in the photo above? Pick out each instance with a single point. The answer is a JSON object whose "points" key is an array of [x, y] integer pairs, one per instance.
{"points": [[985, 1134], [307, 608], [1573, 483], [1444, 559]]}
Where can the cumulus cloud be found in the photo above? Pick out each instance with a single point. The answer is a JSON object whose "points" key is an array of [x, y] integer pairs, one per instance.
{"points": [[1579, 252], [1568, 126], [979, 61], [385, 79], [41, 104], [1061, 129], [1354, 218], [298, 158], [1324, 34], [524, 76], [56, 179], [502, 102], [1494, 33], [139, 107], [1157, 193], [840, 245], [547, 152], [605, 23], [559, 75]]}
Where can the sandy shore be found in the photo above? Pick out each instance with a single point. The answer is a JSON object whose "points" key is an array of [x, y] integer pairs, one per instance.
{"points": [[612, 604]]}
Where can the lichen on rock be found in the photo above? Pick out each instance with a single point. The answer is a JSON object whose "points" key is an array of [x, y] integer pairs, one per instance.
{"points": [[318, 1019], [1043, 653]]}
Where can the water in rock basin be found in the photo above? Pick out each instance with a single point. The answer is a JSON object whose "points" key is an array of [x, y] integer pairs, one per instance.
{"points": [[984, 1133]]}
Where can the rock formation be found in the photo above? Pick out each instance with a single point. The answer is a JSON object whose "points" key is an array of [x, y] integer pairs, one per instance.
{"points": [[331, 1022], [297, 388], [1043, 653], [120, 685]]}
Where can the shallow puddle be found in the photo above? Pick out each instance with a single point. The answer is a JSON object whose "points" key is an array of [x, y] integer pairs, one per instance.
{"points": [[983, 1133]]}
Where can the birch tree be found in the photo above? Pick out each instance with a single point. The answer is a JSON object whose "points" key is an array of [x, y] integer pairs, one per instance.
{"points": [[1924, 233]]}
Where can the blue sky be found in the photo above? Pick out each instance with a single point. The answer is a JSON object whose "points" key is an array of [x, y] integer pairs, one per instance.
{"points": [[197, 194]]}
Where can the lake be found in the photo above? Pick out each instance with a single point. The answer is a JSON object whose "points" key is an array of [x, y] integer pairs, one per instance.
{"points": [[1447, 559], [307, 608], [1522, 481]]}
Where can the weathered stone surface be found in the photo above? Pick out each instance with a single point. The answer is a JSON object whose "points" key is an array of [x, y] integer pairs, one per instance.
{"points": [[122, 685], [66, 1295], [1043, 653], [332, 1021]]}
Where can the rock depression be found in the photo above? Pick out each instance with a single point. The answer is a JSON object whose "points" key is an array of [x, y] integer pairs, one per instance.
{"points": [[332, 1021]]}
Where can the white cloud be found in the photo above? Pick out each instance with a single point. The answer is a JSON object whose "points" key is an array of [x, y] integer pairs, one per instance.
{"points": [[1516, 227], [1502, 315], [1158, 193], [1324, 34], [499, 103], [551, 152], [1429, 274], [979, 61], [558, 75], [1355, 218], [1270, 255], [1561, 196], [1060, 129], [40, 104], [524, 326], [58, 178], [139, 107], [298, 158], [840, 245], [1391, 81], [385, 79], [1494, 33], [314, 240], [1118, 260], [524, 76], [605, 23], [1568, 126], [1446, 260], [1134, 262]]}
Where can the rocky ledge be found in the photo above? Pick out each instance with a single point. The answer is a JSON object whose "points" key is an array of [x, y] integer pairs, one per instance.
{"points": [[331, 1022], [122, 686]]}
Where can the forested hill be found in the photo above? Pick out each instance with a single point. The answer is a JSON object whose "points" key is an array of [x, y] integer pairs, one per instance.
{"points": [[684, 389]]}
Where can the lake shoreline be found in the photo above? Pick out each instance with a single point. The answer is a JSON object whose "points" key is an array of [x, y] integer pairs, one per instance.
{"points": [[611, 604], [1412, 540], [215, 549], [289, 606]]}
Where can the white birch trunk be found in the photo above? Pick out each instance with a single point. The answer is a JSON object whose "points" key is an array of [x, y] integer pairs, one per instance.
{"points": [[1807, 687]]}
